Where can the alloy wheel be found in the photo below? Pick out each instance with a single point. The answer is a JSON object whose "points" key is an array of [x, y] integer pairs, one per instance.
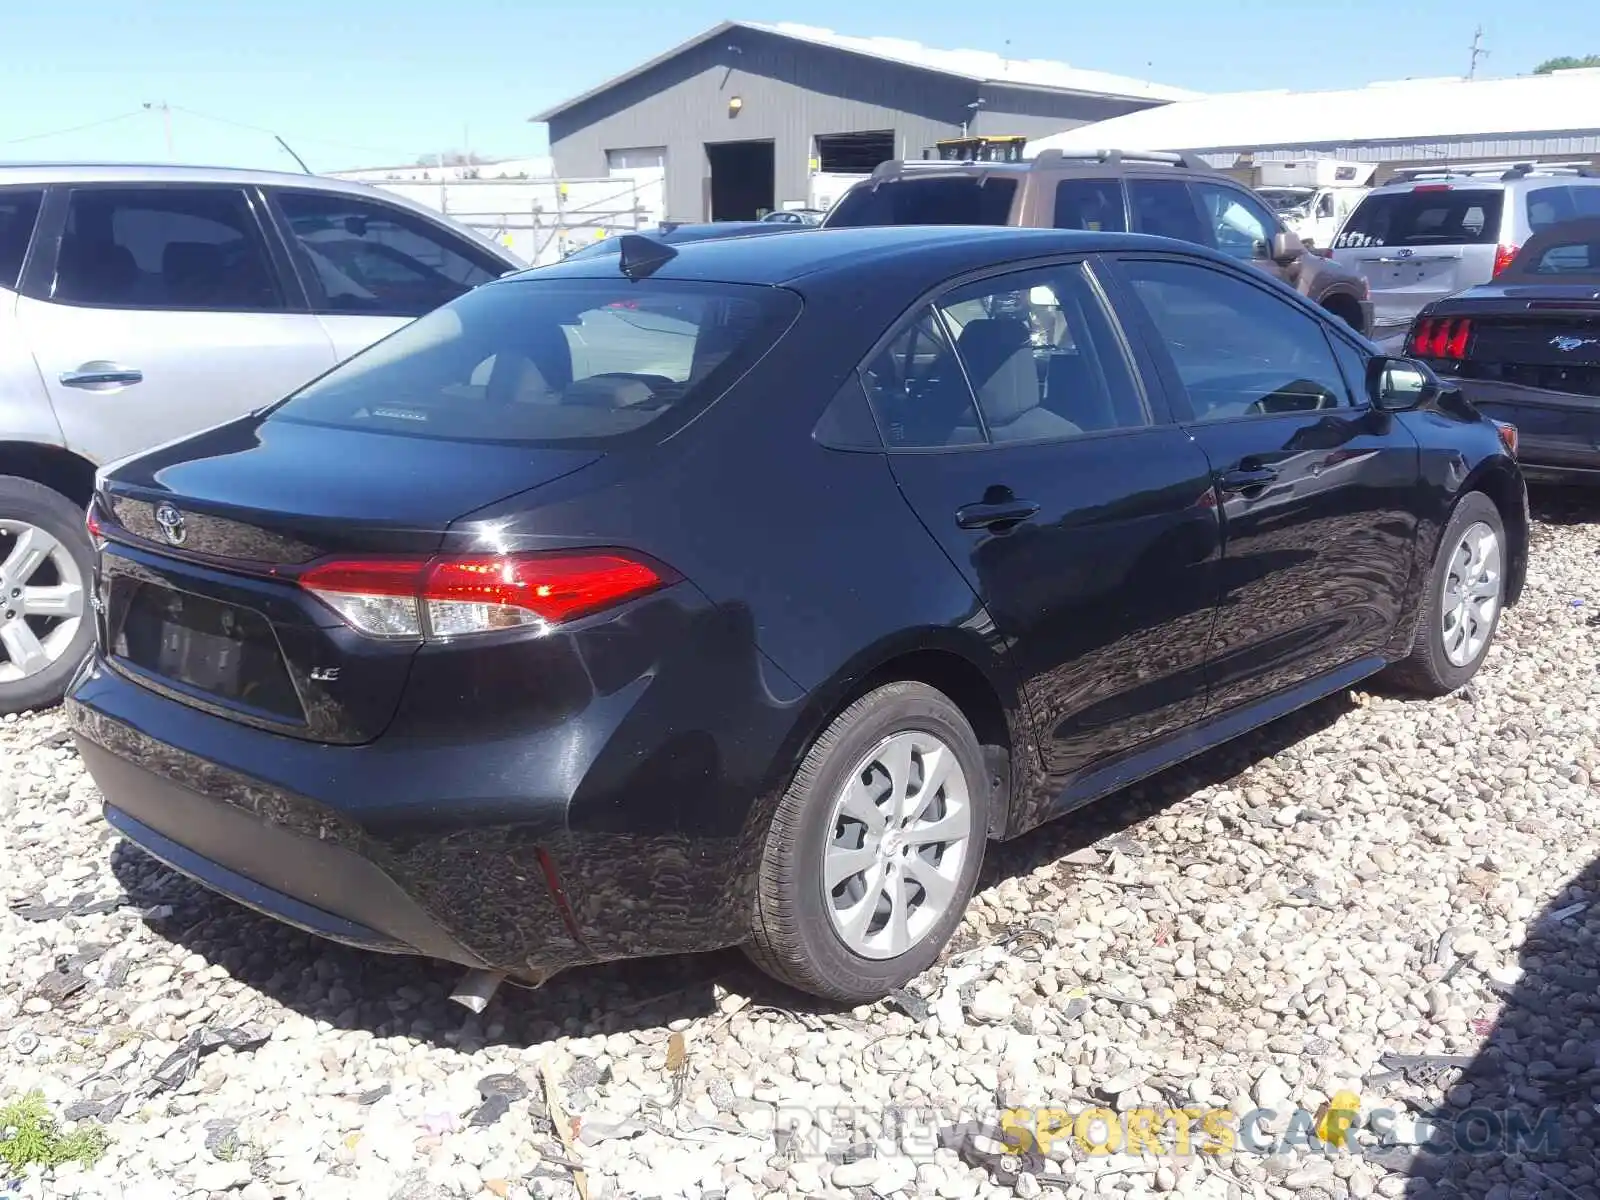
{"points": [[41, 599], [899, 833], [1470, 597]]}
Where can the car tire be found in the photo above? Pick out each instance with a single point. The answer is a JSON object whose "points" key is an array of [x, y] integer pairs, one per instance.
{"points": [[1458, 621], [843, 942], [26, 505]]}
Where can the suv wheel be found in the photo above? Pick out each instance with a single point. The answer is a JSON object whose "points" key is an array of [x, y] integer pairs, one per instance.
{"points": [[875, 848], [1462, 603], [46, 565]]}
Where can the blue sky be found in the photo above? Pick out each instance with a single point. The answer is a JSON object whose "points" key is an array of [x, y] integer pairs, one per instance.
{"points": [[369, 82]]}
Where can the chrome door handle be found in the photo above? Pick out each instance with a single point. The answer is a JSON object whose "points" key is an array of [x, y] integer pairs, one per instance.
{"points": [[99, 374]]}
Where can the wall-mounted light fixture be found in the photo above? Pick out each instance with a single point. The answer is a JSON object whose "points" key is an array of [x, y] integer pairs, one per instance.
{"points": [[735, 105]]}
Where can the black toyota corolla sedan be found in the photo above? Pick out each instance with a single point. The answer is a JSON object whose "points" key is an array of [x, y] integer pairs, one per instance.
{"points": [[739, 594], [1526, 349]]}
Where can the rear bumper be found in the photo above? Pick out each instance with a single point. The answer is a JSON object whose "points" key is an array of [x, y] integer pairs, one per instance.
{"points": [[1558, 435]]}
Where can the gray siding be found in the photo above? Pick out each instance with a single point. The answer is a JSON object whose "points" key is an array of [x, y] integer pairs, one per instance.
{"points": [[792, 91]]}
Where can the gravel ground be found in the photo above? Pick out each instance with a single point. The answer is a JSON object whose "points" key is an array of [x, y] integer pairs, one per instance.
{"points": [[1263, 928]]}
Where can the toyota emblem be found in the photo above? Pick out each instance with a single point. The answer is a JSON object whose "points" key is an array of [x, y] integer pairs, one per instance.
{"points": [[171, 522]]}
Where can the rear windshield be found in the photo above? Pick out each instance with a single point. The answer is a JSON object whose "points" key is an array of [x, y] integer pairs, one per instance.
{"points": [[950, 200], [585, 361], [1423, 217]]}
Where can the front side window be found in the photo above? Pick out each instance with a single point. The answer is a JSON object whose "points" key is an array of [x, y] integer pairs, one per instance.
{"points": [[1238, 228], [1238, 350], [557, 361], [1428, 215], [1092, 204], [1164, 208], [1039, 353], [19, 209], [164, 248], [366, 257], [945, 200]]}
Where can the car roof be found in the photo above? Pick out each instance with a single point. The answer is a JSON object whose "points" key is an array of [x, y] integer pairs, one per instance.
{"points": [[926, 253], [124, 172]]}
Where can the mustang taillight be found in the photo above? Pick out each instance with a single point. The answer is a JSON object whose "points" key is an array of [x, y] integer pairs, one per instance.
{"points": [[448, 596], [1440, 337]]}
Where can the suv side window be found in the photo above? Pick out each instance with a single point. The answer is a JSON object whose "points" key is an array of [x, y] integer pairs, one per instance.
{"points": [[1164, 208], [918, 392], [164, 248], [1239, 228], [1092, 204], [370, 258], [1238, 349], [1586, 199], [1549, 206], [1039, 352], [19, 209]]}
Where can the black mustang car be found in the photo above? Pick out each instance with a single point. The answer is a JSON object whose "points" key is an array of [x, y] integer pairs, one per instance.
{"points": [[741, 592], [1526, 349]]}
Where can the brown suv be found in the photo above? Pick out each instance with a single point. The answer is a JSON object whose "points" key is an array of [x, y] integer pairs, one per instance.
{"points": [[1170, 195]]}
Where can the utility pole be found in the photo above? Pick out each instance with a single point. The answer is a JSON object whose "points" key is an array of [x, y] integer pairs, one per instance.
{"points": [[166, 122], [1477, 52]]}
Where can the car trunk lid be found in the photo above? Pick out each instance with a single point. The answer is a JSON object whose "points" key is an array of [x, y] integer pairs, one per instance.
{"points": [[204, 541]]}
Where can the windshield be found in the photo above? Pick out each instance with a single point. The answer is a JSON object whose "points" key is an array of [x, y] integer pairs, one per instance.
{"points": [[1285, 199], [1424, 216], [568, 361], [945, 200]]}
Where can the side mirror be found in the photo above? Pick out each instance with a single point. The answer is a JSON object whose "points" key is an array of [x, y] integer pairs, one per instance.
{"points": [[1286, 247], [1401, 384]]}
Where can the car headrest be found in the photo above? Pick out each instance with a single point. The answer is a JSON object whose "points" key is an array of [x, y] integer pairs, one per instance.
{"points": [[998, 356]]}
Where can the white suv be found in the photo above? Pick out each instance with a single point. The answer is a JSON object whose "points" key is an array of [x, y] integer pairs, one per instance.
{"points": [[141, 304]]}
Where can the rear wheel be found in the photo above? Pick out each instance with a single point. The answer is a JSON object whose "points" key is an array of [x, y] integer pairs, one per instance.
{"points": [[875, 848], [46, 564], [1462, 603]]}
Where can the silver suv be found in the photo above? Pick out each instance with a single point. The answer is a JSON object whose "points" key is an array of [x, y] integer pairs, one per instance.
{"points": [[141, 304], [1431, 233]]}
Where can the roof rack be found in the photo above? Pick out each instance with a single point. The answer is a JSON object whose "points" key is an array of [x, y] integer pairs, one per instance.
{"points": [[893, 167], [1497, 170]]}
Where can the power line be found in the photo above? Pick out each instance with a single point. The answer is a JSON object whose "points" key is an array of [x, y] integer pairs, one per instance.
{"points": [[272, 133], [35, 137]]}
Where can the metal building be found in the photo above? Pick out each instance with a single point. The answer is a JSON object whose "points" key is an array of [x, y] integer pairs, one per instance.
{"points": [[744, 115]]}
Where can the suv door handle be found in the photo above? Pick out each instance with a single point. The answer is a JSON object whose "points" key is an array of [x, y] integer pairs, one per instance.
{"points": [[987, 516], [101, 375], [1246, 479]]}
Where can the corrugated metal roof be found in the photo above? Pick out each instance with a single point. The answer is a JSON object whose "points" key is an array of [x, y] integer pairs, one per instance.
{"points": [[979, 65], [1417, 110]]}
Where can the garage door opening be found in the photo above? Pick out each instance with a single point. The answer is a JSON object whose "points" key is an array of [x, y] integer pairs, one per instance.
{"points": [[854, 153], [743, 183]]}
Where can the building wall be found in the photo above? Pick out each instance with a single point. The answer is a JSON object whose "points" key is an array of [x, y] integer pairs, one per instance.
{"points": [[791, 91]]}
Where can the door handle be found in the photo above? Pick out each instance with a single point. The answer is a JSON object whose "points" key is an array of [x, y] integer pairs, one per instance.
{"points": [[101, 375], [1246, 479], [988, 516]]}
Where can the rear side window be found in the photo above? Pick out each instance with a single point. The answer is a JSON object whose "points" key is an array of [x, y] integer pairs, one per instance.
{"points": [[1424, 217], [1549, 206], [1164, 208], [1092, 204], [366, 257], [568, 361], [1566, 258], [164, 248], [951, 200], [19, 209]]}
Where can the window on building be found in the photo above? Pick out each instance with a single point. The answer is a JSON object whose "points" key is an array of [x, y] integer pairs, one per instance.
{"points": [[637, 158], [854, 153]]}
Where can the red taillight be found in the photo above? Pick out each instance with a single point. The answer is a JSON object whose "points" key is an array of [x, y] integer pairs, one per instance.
{"points": [[1440, 337], [1504, 256], [448, 597], [91, 522], [1431, 187]]}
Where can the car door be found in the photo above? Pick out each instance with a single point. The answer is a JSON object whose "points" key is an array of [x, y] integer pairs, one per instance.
{"points": [[370, 267], [1318, 490], [164, 311], [1020, 432]]}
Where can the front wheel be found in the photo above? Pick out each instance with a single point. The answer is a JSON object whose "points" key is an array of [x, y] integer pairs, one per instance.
{"points": [[46, 565], [875, 848], [1461, 604]]}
